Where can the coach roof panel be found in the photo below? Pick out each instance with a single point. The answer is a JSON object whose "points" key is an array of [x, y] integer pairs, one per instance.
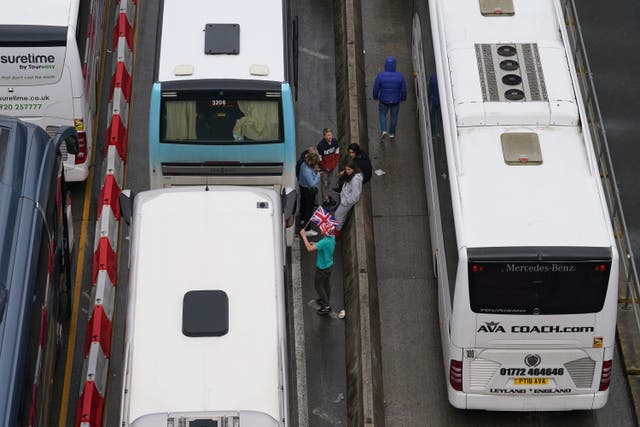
{"points": [[480, 86], [183, 39], [221, 239], [556, 203], [40, 12]]}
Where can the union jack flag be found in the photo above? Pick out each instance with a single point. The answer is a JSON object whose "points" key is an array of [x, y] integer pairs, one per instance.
{"points": [[324, 220]]}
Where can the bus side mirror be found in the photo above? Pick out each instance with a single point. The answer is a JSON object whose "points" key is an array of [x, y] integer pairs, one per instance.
{"points": [[67, 135], [126, 205], [72, 144], [289, 201]]}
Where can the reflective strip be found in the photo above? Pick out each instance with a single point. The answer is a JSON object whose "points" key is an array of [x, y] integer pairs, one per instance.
{"points": [[123, 29], [121, 78], [69, 217], [106, 226], [90, 406], [110, 196], [113, 165], [103, 294], [128, 7], [119, 106], [124, 53], [104, 259], [95, 368], [98, 331], [118, 136]]}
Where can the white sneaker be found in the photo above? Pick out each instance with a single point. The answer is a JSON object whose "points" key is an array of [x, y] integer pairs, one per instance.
{"points": [[311, 233], [383, 135], [392, 135]]}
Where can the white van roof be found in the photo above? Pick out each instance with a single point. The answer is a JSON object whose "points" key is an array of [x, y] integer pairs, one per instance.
{"points": [[226, 239], [60, 13]]}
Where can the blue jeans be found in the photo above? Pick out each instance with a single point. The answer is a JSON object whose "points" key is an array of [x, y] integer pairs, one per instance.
{"points": [[393, 109]]}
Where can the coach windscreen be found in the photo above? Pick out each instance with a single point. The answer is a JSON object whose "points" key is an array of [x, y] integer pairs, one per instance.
{"points": [[221, 117], [31, 55]]}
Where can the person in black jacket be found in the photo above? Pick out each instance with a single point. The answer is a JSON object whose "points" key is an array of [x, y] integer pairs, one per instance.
{"points": [[361, 158]]}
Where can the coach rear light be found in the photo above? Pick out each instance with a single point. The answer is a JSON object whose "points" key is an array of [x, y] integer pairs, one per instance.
{"points": [[605, 377], [477, 268], [81, 157], [455, 374]]}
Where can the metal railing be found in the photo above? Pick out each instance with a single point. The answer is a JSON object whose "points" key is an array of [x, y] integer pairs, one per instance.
{"points": [[628, 270]]}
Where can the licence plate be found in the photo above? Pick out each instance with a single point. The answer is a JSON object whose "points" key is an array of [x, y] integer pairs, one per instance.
{"points": [[531, 381]]}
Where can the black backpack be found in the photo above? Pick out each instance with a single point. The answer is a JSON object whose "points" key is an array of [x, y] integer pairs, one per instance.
{"points": [[299, 163]]}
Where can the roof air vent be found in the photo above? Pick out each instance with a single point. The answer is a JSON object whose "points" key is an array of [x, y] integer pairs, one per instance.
{"points": [[510, 72], [220, 39], [507, 50], [511, 79], [497, 8], [509, 65], [514, 95], [521, 149], [205, 314]]}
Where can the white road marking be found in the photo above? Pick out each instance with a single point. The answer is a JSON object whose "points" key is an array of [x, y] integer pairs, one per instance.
{"points": [[298, 327], [314, 53]]}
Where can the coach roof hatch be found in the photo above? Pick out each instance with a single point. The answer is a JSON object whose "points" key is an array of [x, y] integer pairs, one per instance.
{"points": [[222, 39], [205, 313]]}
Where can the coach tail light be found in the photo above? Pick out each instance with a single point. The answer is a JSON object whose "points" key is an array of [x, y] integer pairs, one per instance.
{"points": [[455, 374], [81, 157], [605, 377]]}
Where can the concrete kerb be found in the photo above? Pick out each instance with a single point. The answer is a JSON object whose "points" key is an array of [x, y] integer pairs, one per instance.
{"points": [[365, 398], [298, 336], [629, 345], [94, 375]]}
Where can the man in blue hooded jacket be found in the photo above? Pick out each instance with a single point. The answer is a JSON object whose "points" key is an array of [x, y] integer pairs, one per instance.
{"points": [[390, 89]]}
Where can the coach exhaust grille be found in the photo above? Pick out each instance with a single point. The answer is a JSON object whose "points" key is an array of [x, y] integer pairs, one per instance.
{"points": [[222, 169], [510, 72], [481, 372], [581, 371]]}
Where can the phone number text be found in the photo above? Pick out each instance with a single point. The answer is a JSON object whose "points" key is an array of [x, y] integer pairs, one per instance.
{"points": [[19, 107]]}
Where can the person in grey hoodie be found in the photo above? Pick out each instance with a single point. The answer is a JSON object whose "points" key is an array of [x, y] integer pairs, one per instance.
{"points": [[389, 89], [350, 193]]}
